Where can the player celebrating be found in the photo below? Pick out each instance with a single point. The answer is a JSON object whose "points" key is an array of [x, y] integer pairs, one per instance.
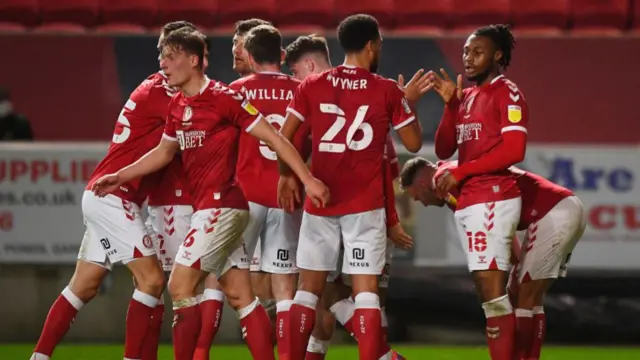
{"points": [[115, 230], [348, 109], [204, 122], [554, 220], [260, 280], [270, 91], [309, 55], [487, 124]]}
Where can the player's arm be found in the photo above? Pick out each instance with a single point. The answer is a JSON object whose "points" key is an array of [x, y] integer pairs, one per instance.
{"points": [[404, 121], [511, 150], [152, 161], [288, 131], [446, 143], [287, 153]]}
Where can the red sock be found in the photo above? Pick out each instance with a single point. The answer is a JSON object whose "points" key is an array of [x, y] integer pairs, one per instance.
{"points": [[317, 349], [58, 322], [256, 331], [540, 330], [141, 309], [525, 333], [501, 328], [384, 344], [343, 312], [302, 318], [367, 323], [211, 306], [282, 328], [186, 327], [151, 342]]}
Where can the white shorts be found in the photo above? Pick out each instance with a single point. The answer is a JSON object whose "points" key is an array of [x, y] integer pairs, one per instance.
{"points": [[338, 276], [271, 238], [486, 231], [169, 225], [548, 243], [363, 235], [214, 242], [115, 232]]}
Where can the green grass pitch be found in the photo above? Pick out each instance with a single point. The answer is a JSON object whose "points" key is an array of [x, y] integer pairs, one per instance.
{"points": [[109, 352]]}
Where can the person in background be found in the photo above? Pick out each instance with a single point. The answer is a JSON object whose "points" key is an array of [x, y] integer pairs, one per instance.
{"points": [[13, 126]]}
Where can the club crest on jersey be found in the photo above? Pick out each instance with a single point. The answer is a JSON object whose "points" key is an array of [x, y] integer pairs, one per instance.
{"points": [[469, 104], [188, 113], [514, 113], [405, 105]]}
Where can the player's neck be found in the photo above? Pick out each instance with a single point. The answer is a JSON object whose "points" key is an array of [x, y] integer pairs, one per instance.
{"points": [[268, 68], [194, 85], [488, 79], [354, 60]]}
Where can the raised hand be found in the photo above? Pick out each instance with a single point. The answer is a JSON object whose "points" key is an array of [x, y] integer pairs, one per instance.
{"points": [[446, 88], [419, 84]]}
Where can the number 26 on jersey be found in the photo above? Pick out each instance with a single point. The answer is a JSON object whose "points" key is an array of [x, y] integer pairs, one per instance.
{"points": [[328, 141]]}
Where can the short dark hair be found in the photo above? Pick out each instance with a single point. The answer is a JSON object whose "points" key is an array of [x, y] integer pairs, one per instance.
{"points": [[264, 44], [356, 31], [175, 25], [243, 26], [411, 169], [190, 41], [503, 38], [306, 44]]}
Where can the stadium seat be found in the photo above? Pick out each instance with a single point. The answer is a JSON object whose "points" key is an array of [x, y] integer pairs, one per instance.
{"points": [[430, 14], [636, 14], [8, 27], [140, 12], [540, 14], [82, 12], [604, 14], [61, 28], [299, 14], [230, 11], [122, 29], [475, 13], [203, 13], [24, 12], [381, 9]]}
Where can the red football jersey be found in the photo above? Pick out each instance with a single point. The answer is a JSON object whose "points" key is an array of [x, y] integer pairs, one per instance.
{"points": [[207, 127], [485, 113], [539, 195], [391, 171], [137, 131], [392, 157], [171, 186], [257, 170], [349, 111]]}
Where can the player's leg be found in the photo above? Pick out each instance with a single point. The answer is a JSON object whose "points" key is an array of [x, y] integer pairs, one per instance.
{"points": [[260, 280], [318, 247], [365, 242], [546, 252], [211, 306], [486, 231], [279, 241]]}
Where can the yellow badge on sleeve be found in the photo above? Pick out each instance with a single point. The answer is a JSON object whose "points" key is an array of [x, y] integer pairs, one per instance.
{"points": [[514, 113], [249, 108]]}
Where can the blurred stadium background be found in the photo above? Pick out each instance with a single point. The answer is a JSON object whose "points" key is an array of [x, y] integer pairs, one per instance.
{"points": [[70, 65]]}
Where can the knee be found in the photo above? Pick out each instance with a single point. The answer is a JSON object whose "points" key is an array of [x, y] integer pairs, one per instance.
{"points": [[85, 285], [152, 283], [490, 284]]}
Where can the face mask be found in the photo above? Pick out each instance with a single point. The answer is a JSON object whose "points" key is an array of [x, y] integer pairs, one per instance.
{"points": [[5, 108]]}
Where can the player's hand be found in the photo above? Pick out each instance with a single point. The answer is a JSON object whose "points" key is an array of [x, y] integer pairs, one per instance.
{"points": [[318, 192], [445, 184], [106, 185], [399, 237], [288, 193], [446, 88], [419, 84]]}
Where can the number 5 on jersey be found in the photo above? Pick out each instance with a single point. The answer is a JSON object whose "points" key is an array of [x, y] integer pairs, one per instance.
{"points": [[327, 143]]}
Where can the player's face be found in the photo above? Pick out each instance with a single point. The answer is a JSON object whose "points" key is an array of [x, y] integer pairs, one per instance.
{"points": [[376, 50], [425, 195], [177, 65], [240, 56], [303, 68], [478, 58]]}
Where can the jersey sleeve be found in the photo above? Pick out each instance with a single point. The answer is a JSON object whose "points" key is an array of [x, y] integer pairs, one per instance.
{"points": [[389, 195], [299, 105], [400, 112], [512, 107], [392, 157], [240, 111], [170, 125]]}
